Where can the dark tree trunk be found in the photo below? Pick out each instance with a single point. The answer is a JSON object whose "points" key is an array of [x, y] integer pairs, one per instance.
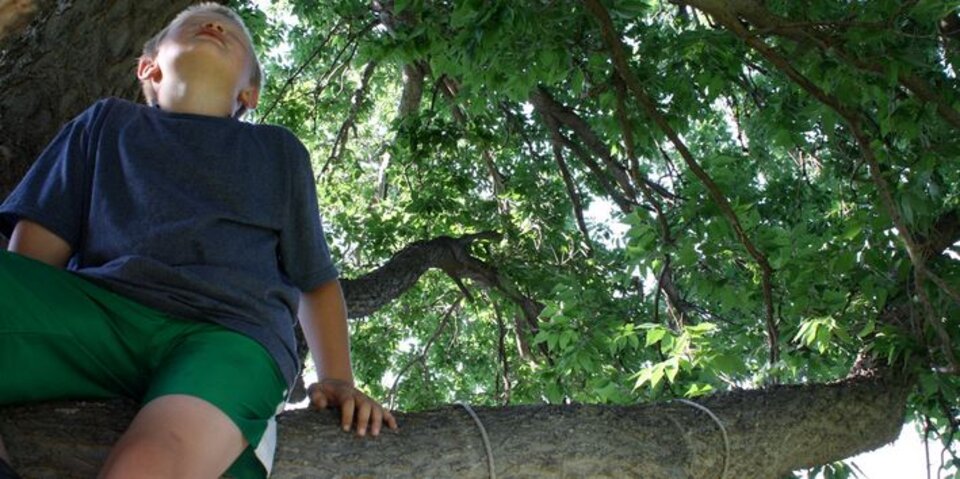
{"points": [[770, 432], [72, 54]]}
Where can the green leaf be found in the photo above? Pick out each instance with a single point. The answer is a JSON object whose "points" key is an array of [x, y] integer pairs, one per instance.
{"points": [[867, 329], [655, 335]]}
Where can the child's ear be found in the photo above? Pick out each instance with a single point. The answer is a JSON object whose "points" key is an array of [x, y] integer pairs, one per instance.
{"points": [[249, 97], [148, 69]]}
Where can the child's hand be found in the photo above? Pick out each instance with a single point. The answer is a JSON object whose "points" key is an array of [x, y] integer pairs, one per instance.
{"points": [[352, 402]]}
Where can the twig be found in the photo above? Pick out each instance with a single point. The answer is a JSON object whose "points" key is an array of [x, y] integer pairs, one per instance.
{"points": [[359, 96], [553, 126], [391, 396], [572, 192], [313, 55], [502, 346]]}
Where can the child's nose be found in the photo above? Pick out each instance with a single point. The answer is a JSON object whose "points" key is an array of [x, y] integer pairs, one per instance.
{"points": [[215, 25]]}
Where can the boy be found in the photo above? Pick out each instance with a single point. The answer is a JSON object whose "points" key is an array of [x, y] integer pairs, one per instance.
{"points": [[191, 241]]}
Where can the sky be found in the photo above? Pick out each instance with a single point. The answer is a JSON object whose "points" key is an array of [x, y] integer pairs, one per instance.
{"points": [[904, 459]]}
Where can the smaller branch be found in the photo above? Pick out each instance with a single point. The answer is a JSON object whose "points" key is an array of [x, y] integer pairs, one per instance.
{"points": [[656, 294], [943, 285], [498, 180], [626, 129], [313, 55], [572, 192], [638, 178], [392, 395], [502, 352], [553, 127], [916, 257], [450, 90], [543, 102], [359, 97]]}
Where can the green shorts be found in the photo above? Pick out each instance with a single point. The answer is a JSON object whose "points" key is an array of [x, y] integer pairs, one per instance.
{"points": [[63, 337]]}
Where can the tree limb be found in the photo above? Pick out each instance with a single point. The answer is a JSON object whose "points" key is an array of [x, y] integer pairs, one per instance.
{"points": [[571, 191], [543, 106], [359, 98], [545, 103], [770, 432]]}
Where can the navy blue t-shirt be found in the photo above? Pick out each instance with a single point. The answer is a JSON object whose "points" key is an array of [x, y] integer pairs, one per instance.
{"points": [[200, 217]]}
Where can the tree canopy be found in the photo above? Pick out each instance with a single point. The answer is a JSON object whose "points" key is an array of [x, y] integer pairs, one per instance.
{"points": [[614, 202], [781, 180]]}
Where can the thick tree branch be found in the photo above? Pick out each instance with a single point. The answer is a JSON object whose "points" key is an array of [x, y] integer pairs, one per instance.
{"points": [[770, 432], [370, 292], [98, 61]]}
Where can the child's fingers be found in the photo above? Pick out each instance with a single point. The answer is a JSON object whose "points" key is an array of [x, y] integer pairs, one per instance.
{"points": [[389, 419], [363, 417], [346, 413], [376, 420], [320, 400]]}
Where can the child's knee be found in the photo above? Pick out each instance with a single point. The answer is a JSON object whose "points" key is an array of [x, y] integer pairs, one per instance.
{"points": [[177, 437]]}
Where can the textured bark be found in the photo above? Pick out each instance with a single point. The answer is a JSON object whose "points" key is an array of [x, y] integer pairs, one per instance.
{"points": [[64, 61], [15, 15], [771, 432], [370, 292]]}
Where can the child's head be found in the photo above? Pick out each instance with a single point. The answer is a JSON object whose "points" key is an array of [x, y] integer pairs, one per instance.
{"points": [[232, 60]]}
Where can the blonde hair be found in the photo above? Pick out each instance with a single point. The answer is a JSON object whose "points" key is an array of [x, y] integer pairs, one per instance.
{"points": [[152, 47]]}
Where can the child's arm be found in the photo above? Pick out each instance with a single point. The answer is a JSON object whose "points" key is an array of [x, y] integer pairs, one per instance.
{"points": [[323, 317], [34, 241]]}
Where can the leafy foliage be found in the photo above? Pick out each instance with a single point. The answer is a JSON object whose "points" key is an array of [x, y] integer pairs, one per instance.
{"points": [[479, 153]]}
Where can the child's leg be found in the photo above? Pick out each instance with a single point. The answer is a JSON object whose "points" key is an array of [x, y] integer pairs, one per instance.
{"points": [[212, 394], [176, 436], [70, 339], [58, 339]]}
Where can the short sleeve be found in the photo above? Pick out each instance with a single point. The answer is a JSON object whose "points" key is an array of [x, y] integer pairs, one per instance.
{"points": [[304, 255], [54, 191]]}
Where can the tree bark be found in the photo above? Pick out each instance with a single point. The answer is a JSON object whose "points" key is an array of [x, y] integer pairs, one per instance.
{"points": [[62, 63], [770, 433], [368, 293]]}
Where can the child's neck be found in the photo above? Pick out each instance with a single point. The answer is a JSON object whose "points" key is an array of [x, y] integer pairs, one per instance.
{"points": [[197, 98]]}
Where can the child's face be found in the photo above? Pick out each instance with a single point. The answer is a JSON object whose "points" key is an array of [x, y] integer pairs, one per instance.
{"points": [[210, 47]]}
